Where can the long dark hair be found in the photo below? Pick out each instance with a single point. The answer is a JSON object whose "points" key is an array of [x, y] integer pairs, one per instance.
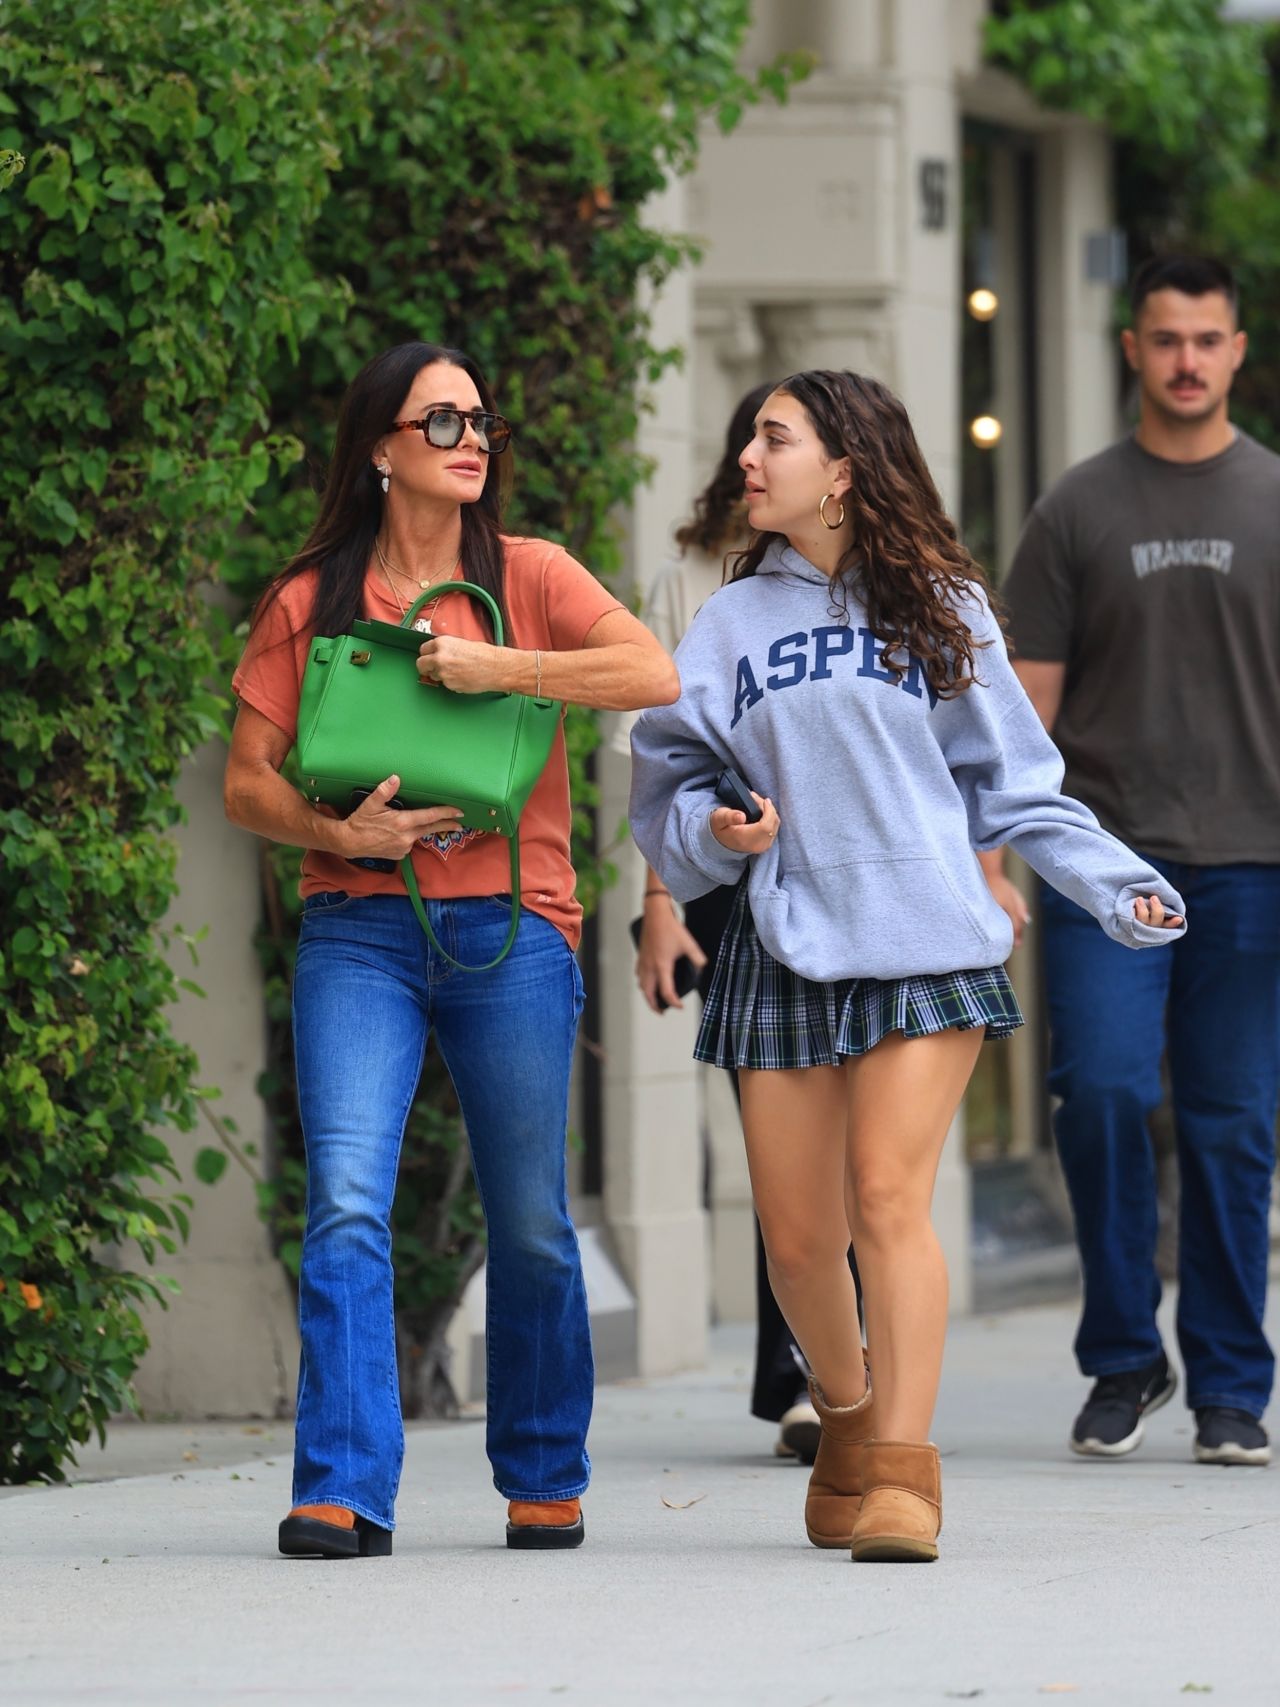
{"points": [[717, 520], [905, 560], [341, 540]]}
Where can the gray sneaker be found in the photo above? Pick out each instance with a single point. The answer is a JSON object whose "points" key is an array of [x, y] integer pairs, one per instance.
{"points": [[1110, 1422]]}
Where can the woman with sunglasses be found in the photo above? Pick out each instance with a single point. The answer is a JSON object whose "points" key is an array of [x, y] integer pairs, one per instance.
{"points": [[854, 674], [413, 499]]}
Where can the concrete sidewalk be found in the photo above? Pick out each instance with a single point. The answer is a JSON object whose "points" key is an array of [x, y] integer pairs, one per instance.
{"points": [[1148, 1580]]}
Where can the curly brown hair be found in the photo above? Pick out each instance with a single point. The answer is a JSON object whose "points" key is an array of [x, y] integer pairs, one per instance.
{"points": [[719, 519], [906, 561]]}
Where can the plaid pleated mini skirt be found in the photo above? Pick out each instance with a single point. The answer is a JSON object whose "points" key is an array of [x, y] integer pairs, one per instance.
{"points": [[759, 1013]]}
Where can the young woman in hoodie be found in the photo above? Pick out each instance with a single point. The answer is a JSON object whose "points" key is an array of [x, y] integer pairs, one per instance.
{"points": [[855, 676], [717, 529]]}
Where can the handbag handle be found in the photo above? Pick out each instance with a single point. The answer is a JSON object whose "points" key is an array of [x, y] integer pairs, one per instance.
{"points": [[442, 587], [415, 897]]}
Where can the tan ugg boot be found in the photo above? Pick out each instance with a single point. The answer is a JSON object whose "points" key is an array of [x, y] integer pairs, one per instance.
{"points": [[901, 1512], [835, 1482]]}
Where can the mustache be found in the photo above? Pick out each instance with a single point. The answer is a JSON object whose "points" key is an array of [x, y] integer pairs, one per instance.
{"points": [[1187, 379]]}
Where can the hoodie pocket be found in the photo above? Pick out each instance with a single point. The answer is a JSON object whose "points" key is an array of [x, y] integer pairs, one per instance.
{"points": [[874, 918]]}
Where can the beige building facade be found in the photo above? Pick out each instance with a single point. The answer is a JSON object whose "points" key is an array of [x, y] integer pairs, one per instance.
{"points": [[840, 230]]}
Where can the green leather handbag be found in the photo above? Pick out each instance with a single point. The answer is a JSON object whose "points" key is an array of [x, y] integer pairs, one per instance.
{"points": [[364, 714]]}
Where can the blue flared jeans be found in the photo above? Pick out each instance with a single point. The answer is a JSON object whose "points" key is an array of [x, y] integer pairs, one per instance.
{"points": [[1211, 1003], [368, 990]]}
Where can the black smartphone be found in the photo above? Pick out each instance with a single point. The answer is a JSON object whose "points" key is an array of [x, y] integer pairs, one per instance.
{"points": [[732, 791], [684, 976], [369, 862]]}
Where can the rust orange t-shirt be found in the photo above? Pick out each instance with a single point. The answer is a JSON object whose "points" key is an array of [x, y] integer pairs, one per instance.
{"points": [[553, 603]]}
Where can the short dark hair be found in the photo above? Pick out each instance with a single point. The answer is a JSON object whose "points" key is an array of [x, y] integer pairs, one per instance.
{"points": [[1193, 275]]}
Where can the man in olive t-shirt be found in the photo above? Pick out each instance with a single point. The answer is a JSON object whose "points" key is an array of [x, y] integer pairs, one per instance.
{"points": [[1145, 613]]}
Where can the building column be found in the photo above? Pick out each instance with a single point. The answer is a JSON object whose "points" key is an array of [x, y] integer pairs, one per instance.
{"points": [[653, 1162], [227, 1346], [1077, 341]]}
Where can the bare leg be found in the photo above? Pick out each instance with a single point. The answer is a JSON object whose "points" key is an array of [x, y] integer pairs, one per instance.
{"points": [[902, 1097], [795, 1127]]}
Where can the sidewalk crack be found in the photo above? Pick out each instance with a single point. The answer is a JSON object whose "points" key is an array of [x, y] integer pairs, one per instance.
{"points": [[1260, 1523]]}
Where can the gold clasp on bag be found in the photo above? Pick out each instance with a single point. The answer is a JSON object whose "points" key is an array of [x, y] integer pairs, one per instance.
{"points": [[361, 657]]}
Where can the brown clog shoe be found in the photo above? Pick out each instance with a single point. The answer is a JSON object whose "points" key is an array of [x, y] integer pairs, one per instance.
{"points": [[542, 1524], [331, 1532]]}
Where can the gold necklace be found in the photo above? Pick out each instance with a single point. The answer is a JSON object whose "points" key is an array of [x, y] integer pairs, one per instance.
{"points": [[388, 565], [386, 575]]}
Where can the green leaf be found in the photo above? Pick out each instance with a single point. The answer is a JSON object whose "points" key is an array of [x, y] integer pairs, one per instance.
{"points": [[210, 1165], [50, 196]]}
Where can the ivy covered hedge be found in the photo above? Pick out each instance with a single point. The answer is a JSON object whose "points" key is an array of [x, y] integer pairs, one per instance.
{"points": [[1172, 79], [153, 267], [210, 216]]}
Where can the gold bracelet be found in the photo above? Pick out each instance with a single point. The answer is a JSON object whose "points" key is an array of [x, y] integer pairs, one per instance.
{"points": [[537, 666]]}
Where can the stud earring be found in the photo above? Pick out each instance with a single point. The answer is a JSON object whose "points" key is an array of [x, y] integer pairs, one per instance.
{"points": [[822, 511]]}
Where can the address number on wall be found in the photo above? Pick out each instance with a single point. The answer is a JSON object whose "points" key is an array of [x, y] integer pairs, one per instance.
{"points": [[933, 195]]}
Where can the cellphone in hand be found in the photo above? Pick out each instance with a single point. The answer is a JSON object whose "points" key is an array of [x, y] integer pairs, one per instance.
{"points": [[732, 791], [369, 862], [684, 974]]}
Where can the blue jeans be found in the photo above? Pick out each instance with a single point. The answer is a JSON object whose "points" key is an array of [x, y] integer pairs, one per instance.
{"points": [[1212, 1001], [368, 987]]}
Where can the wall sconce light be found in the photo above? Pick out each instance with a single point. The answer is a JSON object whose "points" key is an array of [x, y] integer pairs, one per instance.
{"points": [[1106, 257], [985, 431], [983, 303]]}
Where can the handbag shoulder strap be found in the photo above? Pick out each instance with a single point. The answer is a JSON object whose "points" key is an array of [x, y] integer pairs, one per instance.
{"points": [[415, 897]]}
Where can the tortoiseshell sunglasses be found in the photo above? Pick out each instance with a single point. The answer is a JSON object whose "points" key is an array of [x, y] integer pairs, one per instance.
{"points": [[444, 428]]}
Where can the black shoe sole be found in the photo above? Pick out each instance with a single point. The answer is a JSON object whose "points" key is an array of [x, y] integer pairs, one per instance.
{"points": [[545, 1537], [1131, 1442], [309, 1538]]}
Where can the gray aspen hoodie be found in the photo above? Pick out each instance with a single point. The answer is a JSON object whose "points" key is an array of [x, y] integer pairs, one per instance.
{"points": [[883, 789]]}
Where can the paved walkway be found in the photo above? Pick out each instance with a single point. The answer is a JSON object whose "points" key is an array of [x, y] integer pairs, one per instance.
{"points": [[1151, 1580]]}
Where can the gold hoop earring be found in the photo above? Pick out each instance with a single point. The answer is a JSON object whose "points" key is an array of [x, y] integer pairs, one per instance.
{"points": [[822, 511]]}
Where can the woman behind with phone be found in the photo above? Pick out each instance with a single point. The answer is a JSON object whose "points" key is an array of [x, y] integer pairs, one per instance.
{"points": [[855, 674], [413, 498]]}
